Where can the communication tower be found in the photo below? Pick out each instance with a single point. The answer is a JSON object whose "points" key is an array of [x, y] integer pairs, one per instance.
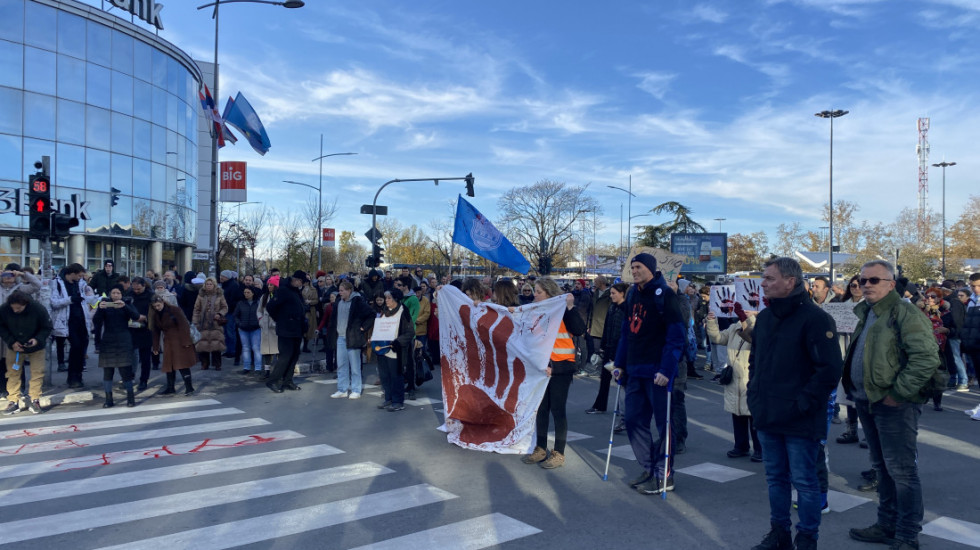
{"points": [[922, 151]]}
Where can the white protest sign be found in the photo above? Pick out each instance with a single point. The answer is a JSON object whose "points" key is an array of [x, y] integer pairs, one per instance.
{"points": [[722, 301], [668, 264], [386, 328], [749, 293], [843, 314]]}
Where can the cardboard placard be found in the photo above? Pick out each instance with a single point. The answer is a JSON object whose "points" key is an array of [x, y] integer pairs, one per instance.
{"points": [[843, 314], [386, 328], [667, 263]]}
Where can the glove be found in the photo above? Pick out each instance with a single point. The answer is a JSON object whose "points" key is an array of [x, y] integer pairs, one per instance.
{"points": [[740, 313]]}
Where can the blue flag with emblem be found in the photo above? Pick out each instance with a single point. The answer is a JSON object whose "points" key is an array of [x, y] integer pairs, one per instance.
{"points": [[240, 114], [475, 232]]}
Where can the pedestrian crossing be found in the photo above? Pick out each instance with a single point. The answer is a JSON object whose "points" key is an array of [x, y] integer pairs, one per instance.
{"points": [[74, 464]]}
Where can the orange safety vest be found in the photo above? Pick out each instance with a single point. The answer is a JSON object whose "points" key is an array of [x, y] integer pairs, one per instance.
{"points": [[564, 349]]}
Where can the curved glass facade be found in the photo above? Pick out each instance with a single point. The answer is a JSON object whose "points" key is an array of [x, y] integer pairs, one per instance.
{"points": [[116, 109]]}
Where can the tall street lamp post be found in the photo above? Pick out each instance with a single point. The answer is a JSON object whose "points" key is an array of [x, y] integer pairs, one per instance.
{"points": [[944, 164], [830, 246], [212, 262], [719, 220], [319, 211], [629, 207], [319, 215]]}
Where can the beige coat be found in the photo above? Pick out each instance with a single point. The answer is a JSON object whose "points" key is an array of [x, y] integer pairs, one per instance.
{"points": [[208, 305], [270, 342], [311, 300], [736, 401]]}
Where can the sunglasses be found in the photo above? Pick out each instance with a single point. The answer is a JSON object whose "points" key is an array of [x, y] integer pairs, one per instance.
{"points": [[872, 280]]}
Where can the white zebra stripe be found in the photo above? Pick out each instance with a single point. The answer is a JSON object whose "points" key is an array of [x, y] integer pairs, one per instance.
{"points": [[85, 442], [115, 411], [102, 516], [62, 489], [130, 455], [116, 423], [472, 534], [292, 522]]}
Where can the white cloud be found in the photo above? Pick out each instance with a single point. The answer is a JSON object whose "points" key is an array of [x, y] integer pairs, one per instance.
{"points": [[708, 13], [654, 83]]}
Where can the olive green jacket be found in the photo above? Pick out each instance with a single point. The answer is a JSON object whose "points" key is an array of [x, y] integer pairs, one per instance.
{"points": [[900, 351]]}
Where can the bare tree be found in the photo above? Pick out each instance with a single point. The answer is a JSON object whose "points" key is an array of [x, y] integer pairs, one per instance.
{"points": [[441, 235], [540, 219], [255, 223], [316, 213]]}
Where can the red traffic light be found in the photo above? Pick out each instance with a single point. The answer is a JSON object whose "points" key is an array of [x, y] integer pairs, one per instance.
{"points": [[41, 205]]}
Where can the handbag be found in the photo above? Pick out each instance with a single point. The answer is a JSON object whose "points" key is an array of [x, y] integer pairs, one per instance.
{"points": [[726, 376], [195, 334]]}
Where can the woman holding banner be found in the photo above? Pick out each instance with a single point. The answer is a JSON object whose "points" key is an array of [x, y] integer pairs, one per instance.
{"points": [[560, 370], [392, 340]]}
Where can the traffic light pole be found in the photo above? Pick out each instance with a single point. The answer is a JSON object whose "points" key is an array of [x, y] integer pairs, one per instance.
{"points": [[374, 205]]}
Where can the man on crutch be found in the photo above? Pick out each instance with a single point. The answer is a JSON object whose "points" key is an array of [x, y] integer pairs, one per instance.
{"points": [[650, 345]]}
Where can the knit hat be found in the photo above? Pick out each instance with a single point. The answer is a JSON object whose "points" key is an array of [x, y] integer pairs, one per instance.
{"points": [[228, 274], [682, 285], [647, 260], [273, 281]]}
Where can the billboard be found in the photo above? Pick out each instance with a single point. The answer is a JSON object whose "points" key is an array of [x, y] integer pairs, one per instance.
{"points": [[707, 253], [233, 182]]}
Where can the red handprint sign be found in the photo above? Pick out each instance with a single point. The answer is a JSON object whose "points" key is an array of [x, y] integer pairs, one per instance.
{"points": [[493, 366], [749, 293]]}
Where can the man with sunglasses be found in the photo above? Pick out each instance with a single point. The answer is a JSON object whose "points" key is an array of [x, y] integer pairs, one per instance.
{"points": [[891, 358]]}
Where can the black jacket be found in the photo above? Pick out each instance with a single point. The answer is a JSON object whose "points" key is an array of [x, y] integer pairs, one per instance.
{"points": [[970, 333], [613, 328], [233, 293], [288, 310], [34, 322], [142, 338], [794, 364], [102, 282], [360, 322], [247, 315]]}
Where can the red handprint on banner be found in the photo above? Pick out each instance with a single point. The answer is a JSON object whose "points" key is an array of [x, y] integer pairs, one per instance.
{"points": [[727, 301], [483, 396], [752, 294]]}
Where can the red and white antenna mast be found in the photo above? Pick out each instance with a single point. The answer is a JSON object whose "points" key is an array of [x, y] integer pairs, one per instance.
{"points": [[922, 151]]}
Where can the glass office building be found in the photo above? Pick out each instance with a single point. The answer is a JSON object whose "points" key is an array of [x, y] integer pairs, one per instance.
{"points": [[116, 109]]}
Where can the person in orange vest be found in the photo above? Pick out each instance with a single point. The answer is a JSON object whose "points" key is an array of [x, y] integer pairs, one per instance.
{"points": [[560, 372]]}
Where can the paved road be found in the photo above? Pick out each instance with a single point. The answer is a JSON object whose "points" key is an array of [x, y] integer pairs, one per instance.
{"points": [[239, 466]]}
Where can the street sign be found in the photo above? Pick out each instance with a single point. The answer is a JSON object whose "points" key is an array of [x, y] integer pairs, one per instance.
{"points": [[200, 256], [328, 236], [371, 209], [373, 235]]}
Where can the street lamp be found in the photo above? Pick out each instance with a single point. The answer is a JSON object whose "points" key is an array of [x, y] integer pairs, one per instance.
{"points": [[719, 220], [944, 164], [319, 215], [319, 212], [629, 207], [214, 136], [830, 246]]}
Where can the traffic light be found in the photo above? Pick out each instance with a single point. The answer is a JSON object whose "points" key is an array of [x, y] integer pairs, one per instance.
{"points": [[115, 196], [544, 265], [61, 225], [39, 204], [469, 184], [369, 262], [378, 255]]}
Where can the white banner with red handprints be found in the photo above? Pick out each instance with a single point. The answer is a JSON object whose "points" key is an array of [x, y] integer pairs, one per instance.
{"points": [[493, 369]]}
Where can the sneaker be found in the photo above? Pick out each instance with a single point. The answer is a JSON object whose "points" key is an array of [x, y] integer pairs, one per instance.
{"points": [[976, 416], [970, 412], [554, 460], [394, 407], [899, 544], [871, 485], [848, 437], [737, 453], [642, 478], [354, 395], [655, 486], [537, 455], [594, 410], [876, 533], [384, 405], [620, 426], [339, 395], [12, 408], [35, 407], [756, 456], [776, 539], [962, 387]]}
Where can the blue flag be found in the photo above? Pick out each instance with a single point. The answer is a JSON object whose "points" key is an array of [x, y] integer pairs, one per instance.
{"points": [[242, 116], [475, 232]]}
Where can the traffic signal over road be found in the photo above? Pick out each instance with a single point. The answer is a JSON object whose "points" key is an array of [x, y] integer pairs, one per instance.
{"points": [[39, 205], [470, 180]]}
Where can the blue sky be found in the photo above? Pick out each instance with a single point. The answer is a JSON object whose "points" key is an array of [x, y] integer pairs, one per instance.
{"points": [[706, 103]]}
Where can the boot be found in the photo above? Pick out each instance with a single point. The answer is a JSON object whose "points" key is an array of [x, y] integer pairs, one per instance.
{"points": [[306, 346], [107, 384], [188, 388], [216, 360], [130, 394], [849, 436], [778, 538], [171, 378], [205, 360]]}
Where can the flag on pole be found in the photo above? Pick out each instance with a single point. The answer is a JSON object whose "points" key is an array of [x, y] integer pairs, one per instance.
{"points": [[494, 369], [240, 114], [211, 113], [476, 233]]}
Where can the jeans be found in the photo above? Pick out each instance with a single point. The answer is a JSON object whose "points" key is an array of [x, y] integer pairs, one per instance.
{"points": [[891, 434], [646, 401], [141, 357], [793, 460], [954, 349], [349, 367], [251, 349]]}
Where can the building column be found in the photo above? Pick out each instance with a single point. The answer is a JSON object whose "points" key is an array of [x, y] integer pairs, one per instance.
{"points": [[185, 259], [75, 252], [154, 256]]}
